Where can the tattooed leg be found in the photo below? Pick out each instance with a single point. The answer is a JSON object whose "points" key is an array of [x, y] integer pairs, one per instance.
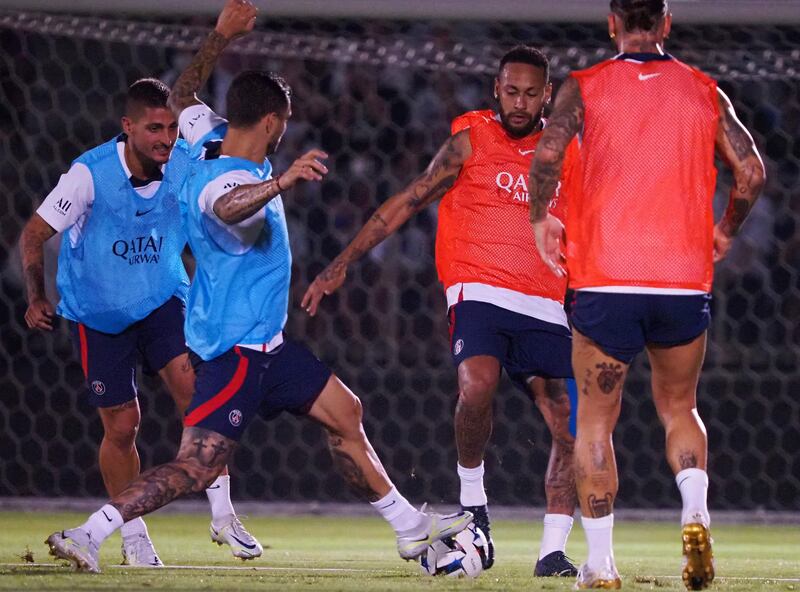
{"points": [[552, 400], [477, 382], [201, 458], [600, 380], [339, 410], [119, 459], [676, 371]]}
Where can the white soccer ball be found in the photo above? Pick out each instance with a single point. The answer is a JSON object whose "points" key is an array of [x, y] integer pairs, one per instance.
{"points": [[458, 556]]}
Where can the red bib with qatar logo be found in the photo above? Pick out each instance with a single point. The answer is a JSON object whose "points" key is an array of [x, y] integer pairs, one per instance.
{"points": [[484, 234]]}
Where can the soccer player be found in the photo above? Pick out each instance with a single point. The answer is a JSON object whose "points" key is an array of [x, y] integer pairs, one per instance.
{"points": [[236, 312], [505, 307], [123, 286], [641, 244]]}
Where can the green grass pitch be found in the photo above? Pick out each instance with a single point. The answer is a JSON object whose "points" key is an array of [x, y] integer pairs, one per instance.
{"points": [[337, 553]]}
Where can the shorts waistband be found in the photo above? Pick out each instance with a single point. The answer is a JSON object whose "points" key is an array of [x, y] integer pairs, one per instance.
{"points": [[267, 347]]}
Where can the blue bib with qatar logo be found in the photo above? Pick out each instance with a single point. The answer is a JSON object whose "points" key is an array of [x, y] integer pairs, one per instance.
{"points": [[240, 292], [128, 261]]}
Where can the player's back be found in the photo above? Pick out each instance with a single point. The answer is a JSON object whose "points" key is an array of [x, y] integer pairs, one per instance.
{"points": [[644, 217]]}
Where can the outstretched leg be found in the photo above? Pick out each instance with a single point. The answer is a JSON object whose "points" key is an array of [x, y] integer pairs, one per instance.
{"points": [[340, 412], [201, 457]]}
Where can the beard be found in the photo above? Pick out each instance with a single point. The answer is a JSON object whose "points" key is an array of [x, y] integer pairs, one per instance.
{"points": [[516, 131]]}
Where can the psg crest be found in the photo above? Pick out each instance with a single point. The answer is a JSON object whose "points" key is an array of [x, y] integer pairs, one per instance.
{"points": [[235, 417], [98, 388]]}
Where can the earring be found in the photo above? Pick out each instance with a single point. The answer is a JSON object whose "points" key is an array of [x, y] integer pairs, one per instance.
{"points": [[612, 35]]}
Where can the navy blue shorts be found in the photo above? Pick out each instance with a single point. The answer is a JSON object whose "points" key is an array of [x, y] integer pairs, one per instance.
{"points": [[623, 324], [109, 361], [233, 388], [525, 346]]}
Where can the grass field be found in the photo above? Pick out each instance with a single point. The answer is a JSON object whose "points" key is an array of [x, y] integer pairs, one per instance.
{"points": [[358, 554]]}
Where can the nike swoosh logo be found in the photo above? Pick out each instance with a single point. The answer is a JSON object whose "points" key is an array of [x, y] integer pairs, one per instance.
{"points": [[526, 152], [648, 76], [242, 543], [217, 486], [106, 515], [138, 213], [388, 505]]}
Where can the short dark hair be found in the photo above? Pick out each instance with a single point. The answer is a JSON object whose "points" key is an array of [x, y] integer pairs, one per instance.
{"points": [[146, 92], [254, 94], [639, 15], [525, 54]]}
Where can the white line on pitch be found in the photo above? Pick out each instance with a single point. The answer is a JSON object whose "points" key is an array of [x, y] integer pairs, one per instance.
{"points": [[211, 567]]}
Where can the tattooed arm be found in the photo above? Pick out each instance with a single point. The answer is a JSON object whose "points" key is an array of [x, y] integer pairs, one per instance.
{"points": [[430, 186], [237, 18], [546, 168], [245, 200], [202, 457], [735, 145], [39, 314]]}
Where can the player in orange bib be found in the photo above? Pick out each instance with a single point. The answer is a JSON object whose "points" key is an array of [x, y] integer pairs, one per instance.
{"points": [[641, 244], [505, 307]]}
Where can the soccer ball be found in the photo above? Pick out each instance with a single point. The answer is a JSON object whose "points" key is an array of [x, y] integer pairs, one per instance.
{"points": [[458, 556]]}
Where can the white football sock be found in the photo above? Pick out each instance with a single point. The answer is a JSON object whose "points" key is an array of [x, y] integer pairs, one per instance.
{"points": [[133, 527], [102, 523], [556, 531], [219, 496], [693, 485], [396, 510], [472, 491], [598, 539]]}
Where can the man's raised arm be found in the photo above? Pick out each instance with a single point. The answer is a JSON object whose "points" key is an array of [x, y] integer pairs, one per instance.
{"points": [[236, 19]]}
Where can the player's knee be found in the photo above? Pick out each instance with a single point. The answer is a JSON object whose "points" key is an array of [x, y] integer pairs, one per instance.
{"points": [[476, 391], [121, 431]]}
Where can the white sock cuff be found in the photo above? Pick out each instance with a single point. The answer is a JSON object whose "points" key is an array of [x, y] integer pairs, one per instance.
{"points": [[597, 523], [475, 473], [113, 515], [691, 474], [221, 481], [559, 520]]}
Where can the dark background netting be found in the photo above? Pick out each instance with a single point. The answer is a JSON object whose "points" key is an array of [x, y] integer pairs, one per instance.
{"points": [[379, 96]]}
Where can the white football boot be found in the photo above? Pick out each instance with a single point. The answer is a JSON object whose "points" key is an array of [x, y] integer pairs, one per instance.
{"points": [[75, 545], [433, 527], [138, 551], [243, 544]]}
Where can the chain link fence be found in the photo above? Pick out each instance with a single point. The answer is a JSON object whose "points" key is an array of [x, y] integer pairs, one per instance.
{"points": [[378, 96]]}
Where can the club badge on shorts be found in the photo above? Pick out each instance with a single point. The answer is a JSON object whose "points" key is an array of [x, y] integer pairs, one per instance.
{"points": [[98, 388], [235, 417], [458, 346]]}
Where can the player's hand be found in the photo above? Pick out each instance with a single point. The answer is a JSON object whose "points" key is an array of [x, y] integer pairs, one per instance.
{"points": [[40, 315], [325, 284], [722, 243], [307, 168], [238, 17], [549, 235]]}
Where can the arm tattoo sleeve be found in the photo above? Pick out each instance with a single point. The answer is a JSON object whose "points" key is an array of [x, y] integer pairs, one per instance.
{"points": [[36, 233], [245, 200], [735, 146], [566, 121], [430, 186], [197, 72]]}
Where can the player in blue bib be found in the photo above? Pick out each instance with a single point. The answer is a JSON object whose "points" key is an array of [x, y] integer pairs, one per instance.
{"points": [[123, 287], [245, 365]]}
